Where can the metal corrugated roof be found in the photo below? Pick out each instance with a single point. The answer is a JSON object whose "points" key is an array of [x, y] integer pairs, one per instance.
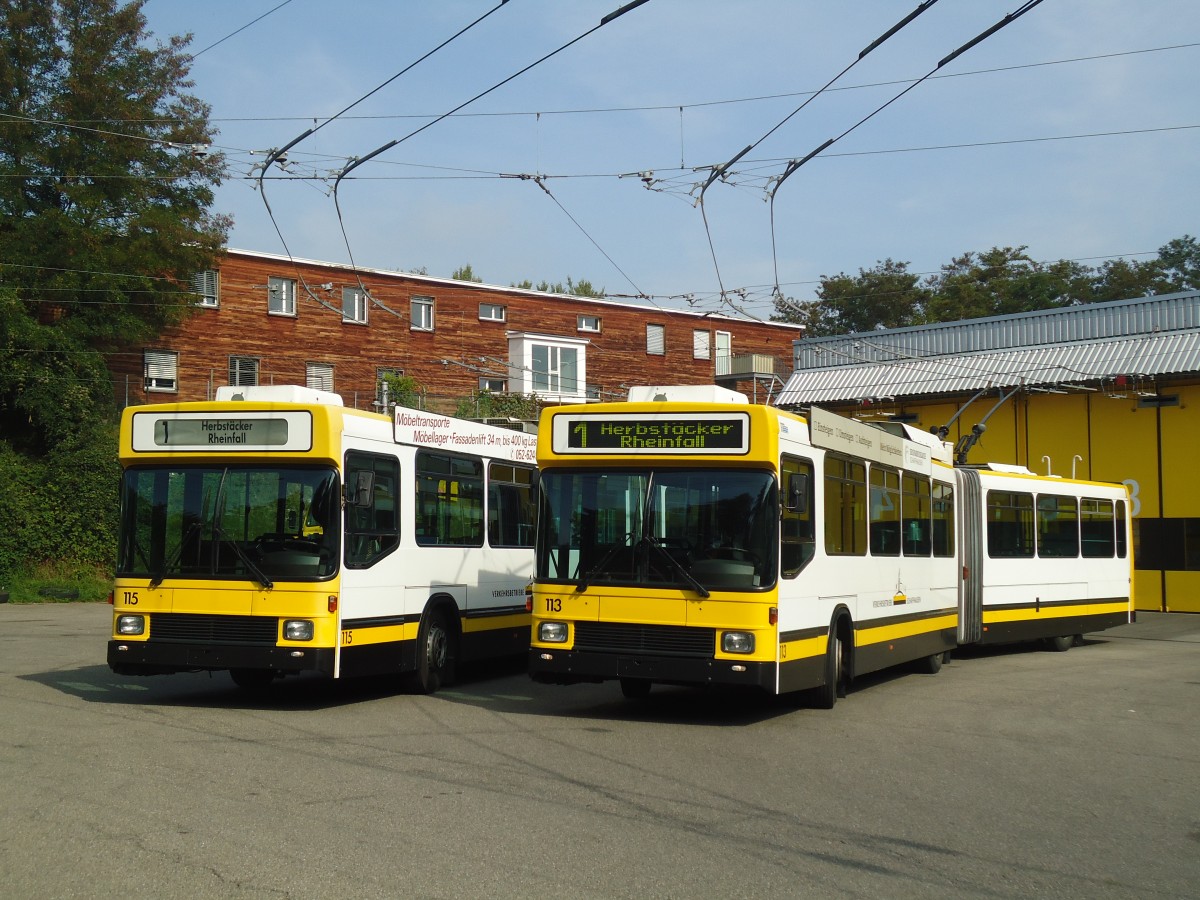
{"points": [[1044, 366], [1090, 322]]}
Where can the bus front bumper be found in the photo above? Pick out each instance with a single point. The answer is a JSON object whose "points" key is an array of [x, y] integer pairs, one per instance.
{"points": [[150, 658], [575, 666]]}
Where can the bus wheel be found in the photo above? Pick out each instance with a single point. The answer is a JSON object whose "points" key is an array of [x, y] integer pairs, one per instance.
{"points": [[252, 679], [835, 675], [931, 665], [1062, 643], [433, 654], [635, 688]]}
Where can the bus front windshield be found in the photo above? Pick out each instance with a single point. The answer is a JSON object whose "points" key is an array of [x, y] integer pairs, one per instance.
{"points": [[701, 530], [257, 523]]}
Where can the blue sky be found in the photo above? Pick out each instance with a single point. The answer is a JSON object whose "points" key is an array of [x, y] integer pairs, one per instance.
{"points": [[1075, 130]]}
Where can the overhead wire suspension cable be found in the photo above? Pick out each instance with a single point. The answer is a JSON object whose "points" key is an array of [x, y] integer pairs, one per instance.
{"points": [[277, 155], [358, 161], [721, 170], [795, 164]]}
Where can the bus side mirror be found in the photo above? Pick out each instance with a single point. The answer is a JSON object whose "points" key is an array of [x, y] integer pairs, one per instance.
{"points": [[362, 493], [797, 492]]}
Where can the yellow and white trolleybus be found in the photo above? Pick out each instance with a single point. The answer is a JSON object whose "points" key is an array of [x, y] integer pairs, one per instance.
{"points": [[275, 531], [689, 537]]}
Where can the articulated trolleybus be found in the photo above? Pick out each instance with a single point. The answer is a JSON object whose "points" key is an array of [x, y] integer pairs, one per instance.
{"points": [[689, 537], [274, 532]]}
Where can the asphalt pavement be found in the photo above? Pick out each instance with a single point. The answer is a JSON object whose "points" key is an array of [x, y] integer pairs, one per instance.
{"points": [[1015, 772]]}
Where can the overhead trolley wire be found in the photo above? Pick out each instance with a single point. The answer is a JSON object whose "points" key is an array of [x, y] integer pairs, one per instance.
{"points": [[540, 181], [243, 28], [795, 164], [278, 156], [721, 170], [358, 161]]}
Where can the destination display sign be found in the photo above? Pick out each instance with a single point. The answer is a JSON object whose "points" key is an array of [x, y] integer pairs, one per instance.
{"points": [[834, 432], [686, 433], [222, 432]]}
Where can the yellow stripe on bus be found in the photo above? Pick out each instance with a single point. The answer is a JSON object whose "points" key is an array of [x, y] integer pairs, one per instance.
{"points": [[493, 623], [1066, 610], [865, 635], [803, 649], [360, 637]]}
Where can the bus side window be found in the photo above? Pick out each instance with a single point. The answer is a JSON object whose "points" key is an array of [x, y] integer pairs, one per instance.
{"points": [[845, 506], [797, 532], [372, 531], [511, 513]]}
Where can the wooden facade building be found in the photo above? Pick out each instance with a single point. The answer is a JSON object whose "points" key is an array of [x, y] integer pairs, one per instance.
{"points": [[266, 319]]}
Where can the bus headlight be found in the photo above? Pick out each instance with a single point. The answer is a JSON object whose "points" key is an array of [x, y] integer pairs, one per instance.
{"points": [[552, 632], [737, 642], [131, 624], [297, 630]]}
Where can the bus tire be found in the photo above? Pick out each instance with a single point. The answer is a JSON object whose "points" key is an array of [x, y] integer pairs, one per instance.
{"points": [[931, 665], [434, 653], [252, 679], [1062, 643], [635, 688], [826, 696]]}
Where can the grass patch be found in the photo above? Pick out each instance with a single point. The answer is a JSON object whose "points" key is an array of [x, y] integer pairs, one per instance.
{"points": [[58, 582]]}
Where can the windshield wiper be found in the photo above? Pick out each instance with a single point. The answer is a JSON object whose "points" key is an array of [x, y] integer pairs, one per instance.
{"points": [[677, 566], [156, 578], [586, 575], [218, 511], [258, 573]]}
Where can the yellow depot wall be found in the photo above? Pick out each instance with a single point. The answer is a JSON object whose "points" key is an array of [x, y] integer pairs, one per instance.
{"points": [[932, 416], [1180, 438], [1180, 427], [1182, 592], [1057, 427], [1125, 448], [1148, 590]]}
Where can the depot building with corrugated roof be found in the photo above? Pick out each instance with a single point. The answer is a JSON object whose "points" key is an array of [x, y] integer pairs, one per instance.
{"points": [[1105, 391]]}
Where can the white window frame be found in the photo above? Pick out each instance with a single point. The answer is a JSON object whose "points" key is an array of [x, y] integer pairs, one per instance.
{"points": [[354, 305], [723, 352], [522, 379], [421, 314], [319, 376], [281, 296], [590, 324], [242, 368], [656, 340], [492, 312], [555, 378], [207, 285], [493, 385], [701, 344], [160, 371]]}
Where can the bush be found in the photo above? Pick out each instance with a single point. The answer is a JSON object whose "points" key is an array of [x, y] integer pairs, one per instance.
{"points": [[60, 510], [59, 582]]}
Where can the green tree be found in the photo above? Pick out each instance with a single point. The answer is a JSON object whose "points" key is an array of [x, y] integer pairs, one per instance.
{"points": [[404, 390], [887, 296], [106, 180], [1179, 261], [1123, 279], [1002, 281], [581, 288], [465, 273]]}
